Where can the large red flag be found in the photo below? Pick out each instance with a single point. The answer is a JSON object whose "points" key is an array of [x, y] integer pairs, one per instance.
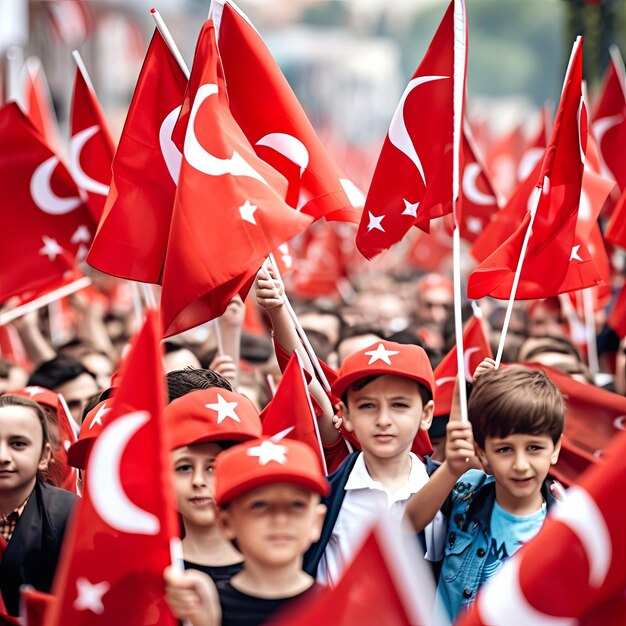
{"points": [[272, 119], [132, 235], [91, 146], [412, 183], [616, 230], [609, 121], [228, 215], [118, 544], [574, 567], [45, 224], [553, 243], [617, 317]]}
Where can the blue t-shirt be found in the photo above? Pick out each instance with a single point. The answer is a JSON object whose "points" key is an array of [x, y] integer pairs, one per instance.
{"points": [[508, 534]]}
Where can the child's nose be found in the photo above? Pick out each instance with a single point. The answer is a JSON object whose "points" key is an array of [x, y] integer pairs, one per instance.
{"points": [[5, 452], [521, 462], [384, 415], [199, 477]]}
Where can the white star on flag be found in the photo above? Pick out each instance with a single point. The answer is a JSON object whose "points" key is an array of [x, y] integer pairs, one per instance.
{"points": [[268, 452], [81, 234], [410, 208], [375, 222], [33, 391], [51, 247], [97, 419], [90, 596], [246, 210], [574, 256], [380, 354], [224, 409]]}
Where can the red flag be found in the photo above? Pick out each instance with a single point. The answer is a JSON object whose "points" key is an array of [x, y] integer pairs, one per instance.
{"points": [[609, 121], [91, 146], [35, 606], [534, 153], [502, 159], [429, 252], [132, 235], [276, 126], [574, 567], [616, 230], [476, 349], [118, 544], [412, 183], [617, 317], [553, 243], [70, 20], [45, 223], [386, 583], [290, 413], [216, 247]]}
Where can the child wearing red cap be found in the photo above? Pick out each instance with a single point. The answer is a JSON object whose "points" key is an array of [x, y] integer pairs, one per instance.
{"points": [[268, 494], [386, 392], [200, 425]]}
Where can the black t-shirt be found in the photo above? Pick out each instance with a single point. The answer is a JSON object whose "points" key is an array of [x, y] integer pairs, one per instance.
{"points": [[216, 572], [240, 609]]}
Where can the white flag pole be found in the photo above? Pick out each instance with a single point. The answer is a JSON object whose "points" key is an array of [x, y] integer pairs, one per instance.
{"points": [[169, 40], [460, 51], [82, 69]]}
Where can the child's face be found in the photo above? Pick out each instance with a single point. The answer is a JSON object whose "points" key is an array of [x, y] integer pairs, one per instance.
{"points": [[22, 452], [386, 414], [274, 524], [520, 464], [193, 482]]}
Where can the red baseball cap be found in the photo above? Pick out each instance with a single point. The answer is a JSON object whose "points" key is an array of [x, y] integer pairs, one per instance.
{"points": [[90, 428], [385, 357], [262, 462], [41, 395], [213, 414]]}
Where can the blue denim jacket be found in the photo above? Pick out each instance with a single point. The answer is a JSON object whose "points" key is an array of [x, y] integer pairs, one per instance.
{"points": [[468, 511]]}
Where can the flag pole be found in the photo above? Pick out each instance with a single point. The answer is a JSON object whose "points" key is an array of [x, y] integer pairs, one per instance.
{"points": [[169, 40], [460, 51], [82, 69], [518, 272]]}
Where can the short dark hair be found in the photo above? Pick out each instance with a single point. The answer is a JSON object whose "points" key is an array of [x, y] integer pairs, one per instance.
{"points": [[514, 400], [182, 382], [55, 372]]}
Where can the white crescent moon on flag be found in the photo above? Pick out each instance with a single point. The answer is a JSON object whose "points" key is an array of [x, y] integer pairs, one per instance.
{"points": [[171, 154], [398, 133], [104, 478], [444, 380], [204, 161], [528, 161], [468, 353], [600, 127], [289, 146], [42, 194], [620, 422], [471, 191], [77, 143]]}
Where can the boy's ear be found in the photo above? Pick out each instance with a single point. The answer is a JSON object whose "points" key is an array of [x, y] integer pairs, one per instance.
{"points": [[557, 449], [316, 527], [482, 457], [46, 456], [224, 523], [345, 416], [427, 415]]}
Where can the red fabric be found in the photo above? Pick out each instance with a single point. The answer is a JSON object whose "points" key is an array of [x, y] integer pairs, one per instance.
{"points": [[276, 126], [35, 606], [616, 230], [476, 349], [609, 123], [120, 533], [91, 427], [91, 146], [429, 251], [415, 163], [132, 236], [45, 224], [12, 348], [502, 158], [215, 248], [574, 566], [617, 317], [553, 243]]}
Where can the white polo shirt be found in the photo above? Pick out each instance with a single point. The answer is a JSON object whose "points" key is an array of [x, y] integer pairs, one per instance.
{"points": [[364, 501]]}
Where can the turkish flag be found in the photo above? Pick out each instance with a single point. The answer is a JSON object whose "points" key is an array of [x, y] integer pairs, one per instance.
{"points": [[91, 146], [536, 148], [412, 183], [228, 214], [273, 121], [553, 243], [609, 121], [386, 583], [35, 606], [118, 544], [502, 158], [476, 349], [132, 235], [290, 412], [616, 230], [617, 317], [45, 224], [429, 252], [574, 566]]}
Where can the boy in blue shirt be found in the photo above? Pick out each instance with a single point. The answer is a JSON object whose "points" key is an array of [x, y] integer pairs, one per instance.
{"points": [[516, 416]]}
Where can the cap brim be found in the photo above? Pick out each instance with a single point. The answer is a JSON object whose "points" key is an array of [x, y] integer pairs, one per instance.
{"points": [[77, 453], [341, 385]]}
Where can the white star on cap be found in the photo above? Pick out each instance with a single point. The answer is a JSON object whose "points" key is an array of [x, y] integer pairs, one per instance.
{"points": [[90, 596], [81, 234], [375, 222], [33, 391], [574, 256], [51, 247], [410, 208], [269, 451], [224, 409], [246, 210], [380, 354], [97, 418]]}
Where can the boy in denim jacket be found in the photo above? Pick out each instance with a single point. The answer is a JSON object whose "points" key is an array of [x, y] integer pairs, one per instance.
{"points": [[516, 416]]}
